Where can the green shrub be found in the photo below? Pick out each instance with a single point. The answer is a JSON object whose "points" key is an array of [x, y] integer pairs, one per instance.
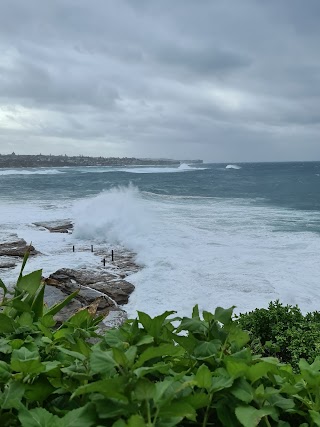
{"points": [[283, 332], [160, 372]]}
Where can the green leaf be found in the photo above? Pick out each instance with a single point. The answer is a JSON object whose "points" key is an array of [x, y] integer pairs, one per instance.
{"points": [[111, 409], [3, 286], [25, 361], [207, 349], [24, 261], [20, 305], [146, 339], [102, 361], [12, 395], [119, 423], [5, 371], [119, 357], [195, 312], [136, 421], [38, 390], [178, 409], [73, 354], [47, 321], [5, 347], [38, 303], [198, 400], [111, 388], [260, 370], [204, 377], [224, 316], [153, 326], [207, 316], [161, 367], [131, 354], [81, 417], [281, 402], [242, 390], [144, 389], [250, 416], [38, 417], [160, 389], [30, 282], [238, 337], [7, 325], [155, 352], [80, 318], [236, 368], [25, 319], [193, 325], [221, 382], [315, 416]]}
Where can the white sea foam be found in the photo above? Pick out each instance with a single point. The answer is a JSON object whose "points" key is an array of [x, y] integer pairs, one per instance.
{"points": [[233, 167], [194, 250], [206, 251], [30, 172], [160, 169]]}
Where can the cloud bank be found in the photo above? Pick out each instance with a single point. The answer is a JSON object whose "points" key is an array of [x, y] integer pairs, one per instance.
{"points": [[212, 79]]}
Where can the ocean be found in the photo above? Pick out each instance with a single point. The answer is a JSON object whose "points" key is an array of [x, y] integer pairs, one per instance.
{"points": [[212, 234]]}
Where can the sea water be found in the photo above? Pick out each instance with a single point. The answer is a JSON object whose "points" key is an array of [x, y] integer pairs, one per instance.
{"points": [[212, 234]]}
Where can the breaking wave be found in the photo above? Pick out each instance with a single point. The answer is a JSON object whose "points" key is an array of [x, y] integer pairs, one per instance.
{"points": [[30, 172], [233, 167]]}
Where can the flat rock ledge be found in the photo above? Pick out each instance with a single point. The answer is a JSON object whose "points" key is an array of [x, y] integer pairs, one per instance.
{"points": [[101, 290], [62, 226], [12, 252], [98, 288]]}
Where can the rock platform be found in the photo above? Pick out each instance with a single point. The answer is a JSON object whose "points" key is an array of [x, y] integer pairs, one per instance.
{"points": [[104, 287]]}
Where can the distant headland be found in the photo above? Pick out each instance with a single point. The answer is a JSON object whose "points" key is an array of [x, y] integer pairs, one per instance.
{"points": [[41, 160]]}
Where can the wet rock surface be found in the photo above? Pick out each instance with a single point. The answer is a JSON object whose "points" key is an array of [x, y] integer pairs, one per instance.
{"points": [[108, 290], [16, 248], [8, 261], [63, 226], [93, 283], [103, 288]]}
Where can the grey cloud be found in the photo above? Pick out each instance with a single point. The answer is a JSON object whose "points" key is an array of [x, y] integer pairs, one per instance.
{"points": [[223, 79]]}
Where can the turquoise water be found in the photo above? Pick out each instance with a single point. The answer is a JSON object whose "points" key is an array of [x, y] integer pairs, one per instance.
{"points": [[215, 234]]}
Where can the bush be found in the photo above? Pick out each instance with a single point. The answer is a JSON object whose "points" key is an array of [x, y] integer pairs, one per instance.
{"points": [[282, 331]]}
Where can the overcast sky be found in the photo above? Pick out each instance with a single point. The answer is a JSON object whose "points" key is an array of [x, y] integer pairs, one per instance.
{"points": [[221, 80]]}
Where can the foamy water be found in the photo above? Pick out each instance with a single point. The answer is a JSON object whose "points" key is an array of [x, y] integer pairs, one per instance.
{"points": [[210, 252], [30, 171], [206, 250]]}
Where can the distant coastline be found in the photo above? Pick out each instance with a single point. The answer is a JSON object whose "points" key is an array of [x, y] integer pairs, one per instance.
{"points": [[40, 160]]}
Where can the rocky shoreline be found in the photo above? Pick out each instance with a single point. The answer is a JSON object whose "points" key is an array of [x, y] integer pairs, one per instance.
{"points": [[104, 287]]}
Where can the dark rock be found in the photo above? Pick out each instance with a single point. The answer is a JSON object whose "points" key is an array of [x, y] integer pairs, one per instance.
{"points": [[83, 277], [99, 280], [115, 318], [8, 262], [56, 226], [17, 248], [119, 290]]}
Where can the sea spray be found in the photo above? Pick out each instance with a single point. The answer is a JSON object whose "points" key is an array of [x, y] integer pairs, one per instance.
{"points": [[117, 216]]}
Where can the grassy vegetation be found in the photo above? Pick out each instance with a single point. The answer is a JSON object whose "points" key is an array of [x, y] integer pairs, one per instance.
{"points": [[162, 371]]}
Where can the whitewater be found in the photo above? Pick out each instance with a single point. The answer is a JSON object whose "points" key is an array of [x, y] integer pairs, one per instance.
{"points": [[211, 235]]}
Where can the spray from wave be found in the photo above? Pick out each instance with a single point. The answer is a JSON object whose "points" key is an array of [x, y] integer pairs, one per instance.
{"points": [[117, 216]]}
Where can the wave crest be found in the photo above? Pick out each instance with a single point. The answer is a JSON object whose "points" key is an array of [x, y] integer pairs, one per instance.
{"points": [[30, 172], [233, 167]]}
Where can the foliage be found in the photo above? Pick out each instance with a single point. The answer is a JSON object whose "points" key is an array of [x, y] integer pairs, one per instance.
{"points": [[161, 371], [283, 332]]}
